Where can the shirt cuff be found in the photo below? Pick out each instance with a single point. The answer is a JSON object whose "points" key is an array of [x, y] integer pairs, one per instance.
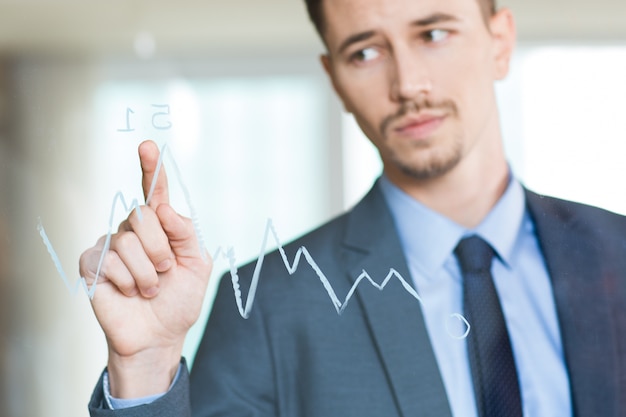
{"points": [[119, 403]]}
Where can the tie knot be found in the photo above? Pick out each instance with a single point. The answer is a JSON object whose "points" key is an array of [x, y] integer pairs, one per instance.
{"points": [[474, 254]]}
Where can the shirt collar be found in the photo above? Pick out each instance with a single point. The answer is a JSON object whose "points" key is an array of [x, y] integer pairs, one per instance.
{"points": [[503, 224], [429, 238]]}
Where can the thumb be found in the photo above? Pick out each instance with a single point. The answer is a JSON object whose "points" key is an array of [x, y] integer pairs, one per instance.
{"points": [[180, 233]]}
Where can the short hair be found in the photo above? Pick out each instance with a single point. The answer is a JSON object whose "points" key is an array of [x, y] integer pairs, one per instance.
{"points": [[316, 12]]}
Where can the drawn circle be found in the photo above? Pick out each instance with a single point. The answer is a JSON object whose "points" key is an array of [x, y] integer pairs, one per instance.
{"points": [[462, 319]]}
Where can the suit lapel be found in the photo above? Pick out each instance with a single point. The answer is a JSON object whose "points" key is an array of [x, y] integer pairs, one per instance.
{"points": [[579, 279], [394, 316]]}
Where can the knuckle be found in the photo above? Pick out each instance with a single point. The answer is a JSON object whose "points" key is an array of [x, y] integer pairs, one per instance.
{"points": [[160, 252], [125, 241], [124, 226], [83, 263], [148, 281], [138, 215], [126, 286], [109, 262], [84, 257], [100, 242], [89, 259], [134, 215], [88, 262]]}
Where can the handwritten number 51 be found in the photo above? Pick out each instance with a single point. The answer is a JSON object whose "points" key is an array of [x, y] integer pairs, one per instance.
{"points": [[160, 119]]}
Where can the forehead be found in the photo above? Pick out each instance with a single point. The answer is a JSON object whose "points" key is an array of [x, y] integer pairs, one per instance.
{"points": [[345, 17]]}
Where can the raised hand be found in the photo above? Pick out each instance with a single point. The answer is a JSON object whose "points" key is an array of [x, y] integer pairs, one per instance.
{"points": [[150, 289]]}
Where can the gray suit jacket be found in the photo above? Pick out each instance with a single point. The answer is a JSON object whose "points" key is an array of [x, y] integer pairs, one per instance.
{"points": [[295, 356]]}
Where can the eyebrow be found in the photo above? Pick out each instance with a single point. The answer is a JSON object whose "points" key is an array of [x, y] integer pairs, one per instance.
{"points": [[354, 39], [434, 18], [426, 21]]}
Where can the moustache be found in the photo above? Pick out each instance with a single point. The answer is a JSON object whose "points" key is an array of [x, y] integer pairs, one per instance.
{"points": [[415, 106]]}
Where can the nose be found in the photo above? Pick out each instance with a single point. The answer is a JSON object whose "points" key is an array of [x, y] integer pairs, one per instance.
{"points": [[409, 78]]}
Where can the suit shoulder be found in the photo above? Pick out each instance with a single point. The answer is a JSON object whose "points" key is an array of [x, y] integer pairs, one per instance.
{"points": [[580, 213]]}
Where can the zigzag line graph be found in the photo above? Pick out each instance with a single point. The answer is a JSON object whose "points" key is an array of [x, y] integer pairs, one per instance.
{"points": [[340, 306], [229, 255], [128, 208]]}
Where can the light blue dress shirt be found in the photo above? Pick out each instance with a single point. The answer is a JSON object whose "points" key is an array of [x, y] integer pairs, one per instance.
{"points": [[523, 285]]}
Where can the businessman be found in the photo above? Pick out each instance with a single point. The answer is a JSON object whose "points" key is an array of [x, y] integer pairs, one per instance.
{"points": [[522, 298]]}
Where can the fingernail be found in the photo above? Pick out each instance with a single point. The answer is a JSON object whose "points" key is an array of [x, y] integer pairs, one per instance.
{"points": [[164, 266], [151, 292]]}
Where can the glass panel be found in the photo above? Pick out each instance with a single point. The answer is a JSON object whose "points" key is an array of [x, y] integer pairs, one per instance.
{"points": [[240, 143]]}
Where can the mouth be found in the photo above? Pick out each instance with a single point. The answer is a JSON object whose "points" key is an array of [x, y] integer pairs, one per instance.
{"points": [[419, 127]]}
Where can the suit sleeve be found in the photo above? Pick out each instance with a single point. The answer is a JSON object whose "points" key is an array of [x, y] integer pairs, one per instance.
{"points": [[173, 403]]}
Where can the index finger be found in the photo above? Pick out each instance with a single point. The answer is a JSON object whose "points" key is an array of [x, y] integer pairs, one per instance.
{"points": [[154, 179]]}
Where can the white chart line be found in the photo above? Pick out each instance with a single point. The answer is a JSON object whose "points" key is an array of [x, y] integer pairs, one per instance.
{"points": [[339, 305], [134, 205], [229, 255]]}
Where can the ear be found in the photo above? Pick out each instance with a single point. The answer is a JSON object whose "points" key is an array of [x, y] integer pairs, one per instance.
{"points": [[503, 32], [328, 68]]}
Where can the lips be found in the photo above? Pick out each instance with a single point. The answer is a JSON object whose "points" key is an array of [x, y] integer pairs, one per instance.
{"points": [[418, 127]]}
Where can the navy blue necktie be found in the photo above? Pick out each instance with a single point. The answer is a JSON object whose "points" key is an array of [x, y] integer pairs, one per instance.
{"points": [[496, 386]]}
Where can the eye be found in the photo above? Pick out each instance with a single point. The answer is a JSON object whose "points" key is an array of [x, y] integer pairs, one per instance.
{"points": [[436, 35], [365, 55]]}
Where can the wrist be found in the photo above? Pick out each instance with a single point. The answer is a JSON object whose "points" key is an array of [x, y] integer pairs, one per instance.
{"points": [[143, 374]]}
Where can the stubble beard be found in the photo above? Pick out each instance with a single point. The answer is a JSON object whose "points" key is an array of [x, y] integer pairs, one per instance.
{"points": [[434, 166], [431, 166]]}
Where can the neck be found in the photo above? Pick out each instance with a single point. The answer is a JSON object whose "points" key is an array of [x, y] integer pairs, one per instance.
{"points": [[467, 193]]}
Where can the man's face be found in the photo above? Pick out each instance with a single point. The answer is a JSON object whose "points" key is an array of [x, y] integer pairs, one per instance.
{"points": [[418, 76]]}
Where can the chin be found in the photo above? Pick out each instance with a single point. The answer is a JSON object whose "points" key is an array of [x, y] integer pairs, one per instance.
{"points": [[428, 170]]}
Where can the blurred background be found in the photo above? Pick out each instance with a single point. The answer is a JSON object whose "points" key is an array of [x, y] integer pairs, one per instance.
{"points": [[236, 91]]}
